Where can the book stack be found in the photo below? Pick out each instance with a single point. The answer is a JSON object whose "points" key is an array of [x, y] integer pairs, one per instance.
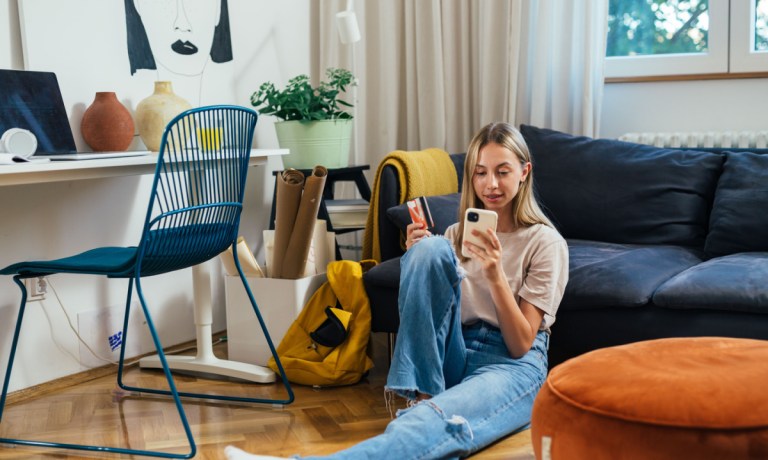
{"points": [[347, 214]]}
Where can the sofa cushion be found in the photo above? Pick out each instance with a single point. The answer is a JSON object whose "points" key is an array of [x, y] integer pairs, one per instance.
{"points": [[382, 284], [622, 192], [739, 221], [733, 282], [444, 210], [620, 275]]}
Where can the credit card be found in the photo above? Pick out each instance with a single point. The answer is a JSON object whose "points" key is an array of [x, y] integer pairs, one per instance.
{"points": [[419, 210]]}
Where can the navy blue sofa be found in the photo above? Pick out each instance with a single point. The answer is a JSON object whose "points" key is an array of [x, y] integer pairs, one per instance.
{"points": [[663, 242]]}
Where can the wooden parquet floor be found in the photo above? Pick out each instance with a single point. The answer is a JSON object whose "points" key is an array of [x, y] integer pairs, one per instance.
{"points": [[320, 421]]}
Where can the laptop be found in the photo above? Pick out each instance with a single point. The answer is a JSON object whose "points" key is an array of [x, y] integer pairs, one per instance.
{"points": [[32, 100]]}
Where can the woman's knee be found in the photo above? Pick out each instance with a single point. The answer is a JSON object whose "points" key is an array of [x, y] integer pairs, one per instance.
{"points": [[435, 252]]}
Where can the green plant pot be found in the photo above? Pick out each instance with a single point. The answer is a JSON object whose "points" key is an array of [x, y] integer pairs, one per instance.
{"points": [[312, 143]]}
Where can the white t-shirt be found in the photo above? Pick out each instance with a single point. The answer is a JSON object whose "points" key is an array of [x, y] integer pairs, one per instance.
{"points": [[535, 260]]}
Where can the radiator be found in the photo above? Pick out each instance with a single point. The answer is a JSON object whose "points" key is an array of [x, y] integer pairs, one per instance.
{"points": [[725, 139]]}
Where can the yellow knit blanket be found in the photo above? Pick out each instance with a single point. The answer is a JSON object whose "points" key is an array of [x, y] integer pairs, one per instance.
{"points": [[421, 173]]}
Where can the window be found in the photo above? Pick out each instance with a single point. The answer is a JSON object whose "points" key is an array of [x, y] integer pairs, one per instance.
{"points": [[684, 37], [749, 48]]}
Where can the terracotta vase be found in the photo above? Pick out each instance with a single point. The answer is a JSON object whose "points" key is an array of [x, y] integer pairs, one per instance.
{"points": [[154, 112], [106, 124]]}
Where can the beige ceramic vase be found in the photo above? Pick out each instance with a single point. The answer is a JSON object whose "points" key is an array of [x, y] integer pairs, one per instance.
{"points": [[107, 125], [154, 113]]}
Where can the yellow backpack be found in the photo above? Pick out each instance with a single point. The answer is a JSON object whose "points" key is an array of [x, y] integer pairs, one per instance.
{"points": [[328, 343]]}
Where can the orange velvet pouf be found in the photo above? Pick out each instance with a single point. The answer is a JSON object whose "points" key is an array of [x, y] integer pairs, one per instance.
{"points": [[680, 398]]}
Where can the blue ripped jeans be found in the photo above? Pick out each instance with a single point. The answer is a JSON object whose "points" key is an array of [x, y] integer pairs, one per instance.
{"points": [[480, 393]]}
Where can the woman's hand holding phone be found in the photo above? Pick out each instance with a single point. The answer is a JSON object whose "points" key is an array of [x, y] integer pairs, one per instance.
{"points": [[476, 239], [481, 243]]}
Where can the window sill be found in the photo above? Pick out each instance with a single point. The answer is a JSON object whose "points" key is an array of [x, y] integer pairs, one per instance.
{"points": [[708, 76]]}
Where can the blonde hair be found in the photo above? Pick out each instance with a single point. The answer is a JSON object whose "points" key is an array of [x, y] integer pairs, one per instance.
{"points": [[525, 209]]}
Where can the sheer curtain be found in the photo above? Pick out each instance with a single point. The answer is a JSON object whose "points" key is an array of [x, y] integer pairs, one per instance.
{"points": [[432, 72]]}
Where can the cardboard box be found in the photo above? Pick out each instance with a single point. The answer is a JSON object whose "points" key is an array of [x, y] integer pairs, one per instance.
{"points": [[280, 302]]}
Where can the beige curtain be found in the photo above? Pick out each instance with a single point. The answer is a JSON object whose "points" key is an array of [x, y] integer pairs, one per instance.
{"points": [[432, 72]]}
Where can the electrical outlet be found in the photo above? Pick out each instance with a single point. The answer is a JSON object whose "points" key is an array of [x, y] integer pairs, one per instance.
{"points": [[36, 288], [101, 329]]}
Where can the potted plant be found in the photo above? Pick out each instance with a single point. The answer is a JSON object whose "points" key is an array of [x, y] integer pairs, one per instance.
{"points": [[315, 125]]}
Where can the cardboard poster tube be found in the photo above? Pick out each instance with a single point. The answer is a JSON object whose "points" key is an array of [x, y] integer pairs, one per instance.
{"points": [[287, 200], [304, 226]]}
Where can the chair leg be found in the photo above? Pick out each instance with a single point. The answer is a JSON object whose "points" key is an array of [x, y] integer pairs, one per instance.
{"points": [[166, 370], [283, 376], [272, 349], [82, 447], [121, 361], [14, 343], [391, 337]]}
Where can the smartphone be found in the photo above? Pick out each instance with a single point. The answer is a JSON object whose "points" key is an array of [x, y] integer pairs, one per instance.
{"points": [[477, 219], [419, 210]]}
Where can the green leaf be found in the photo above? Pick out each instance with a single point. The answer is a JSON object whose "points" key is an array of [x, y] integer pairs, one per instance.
{"points": [[300, 101]]}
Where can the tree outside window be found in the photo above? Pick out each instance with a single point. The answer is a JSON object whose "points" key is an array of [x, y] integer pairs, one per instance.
{"points": [[649, 38], [761, 25], [653, 27]]}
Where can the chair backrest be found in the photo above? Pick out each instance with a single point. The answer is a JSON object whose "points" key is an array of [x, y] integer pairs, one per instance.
{"points": [[199, 184]]}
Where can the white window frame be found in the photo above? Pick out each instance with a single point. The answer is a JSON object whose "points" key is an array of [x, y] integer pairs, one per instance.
{"points": [[729, 42], [744, 58]]}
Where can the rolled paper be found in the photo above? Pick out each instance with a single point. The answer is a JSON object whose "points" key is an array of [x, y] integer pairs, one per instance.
{"points": [[304, 226], [228, 261], [324, 247], [247, 261], [288, 197], [331, 242], [269, 249]]}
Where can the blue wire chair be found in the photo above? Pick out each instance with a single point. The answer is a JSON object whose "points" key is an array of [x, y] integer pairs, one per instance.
{"points": [[193, 215]]}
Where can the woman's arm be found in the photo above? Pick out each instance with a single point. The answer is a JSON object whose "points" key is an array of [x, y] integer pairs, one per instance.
{"points": [[519, 323]]}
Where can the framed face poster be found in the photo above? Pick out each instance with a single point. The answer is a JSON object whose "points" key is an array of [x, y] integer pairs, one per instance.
{"points": [[212, 51], [177, 38], [126, 45]]}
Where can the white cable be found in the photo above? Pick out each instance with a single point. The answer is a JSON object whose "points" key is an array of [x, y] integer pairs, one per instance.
{"points": [[80, 338], [71, 326], [53, 334]]}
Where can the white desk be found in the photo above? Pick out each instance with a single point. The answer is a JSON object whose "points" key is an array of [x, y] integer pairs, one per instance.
{"points": [[56, 171], [204, 361]]}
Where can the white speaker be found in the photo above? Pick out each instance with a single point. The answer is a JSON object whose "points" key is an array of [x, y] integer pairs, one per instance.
{"points": [[18, 141], [346, 22]]}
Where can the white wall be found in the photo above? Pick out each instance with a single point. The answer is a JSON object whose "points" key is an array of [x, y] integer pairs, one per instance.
{"points": [[53, 220], [10, 38], [716, 105], [59, 219]]}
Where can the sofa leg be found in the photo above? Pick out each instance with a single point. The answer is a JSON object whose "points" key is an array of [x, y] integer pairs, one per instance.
{"points": [[391, 337]]}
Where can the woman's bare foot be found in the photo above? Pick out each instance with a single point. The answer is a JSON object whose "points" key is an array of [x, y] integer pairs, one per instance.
{"points": [[233, 453]]}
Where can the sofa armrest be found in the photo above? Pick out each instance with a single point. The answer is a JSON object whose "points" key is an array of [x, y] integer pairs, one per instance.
{"points": [[388, 196], [389, 234]]}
